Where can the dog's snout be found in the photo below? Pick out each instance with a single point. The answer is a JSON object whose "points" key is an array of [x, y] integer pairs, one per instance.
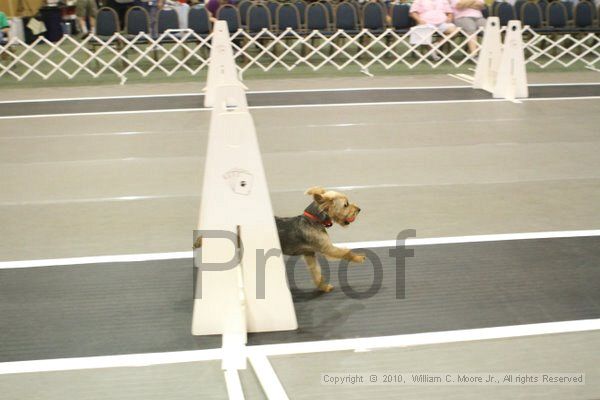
{"points": [[357, 209]]}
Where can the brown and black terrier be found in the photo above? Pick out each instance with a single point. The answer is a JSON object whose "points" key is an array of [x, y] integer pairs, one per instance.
{"points": [[306, 234]]}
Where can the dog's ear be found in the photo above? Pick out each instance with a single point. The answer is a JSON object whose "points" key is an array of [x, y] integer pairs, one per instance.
{"points": [[317, 193]]}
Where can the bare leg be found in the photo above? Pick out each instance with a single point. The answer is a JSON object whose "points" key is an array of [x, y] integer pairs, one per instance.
{"points": [[315, 272]]}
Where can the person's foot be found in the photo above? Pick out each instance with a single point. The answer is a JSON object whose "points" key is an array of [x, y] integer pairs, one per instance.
{"points": [[435, 57]]}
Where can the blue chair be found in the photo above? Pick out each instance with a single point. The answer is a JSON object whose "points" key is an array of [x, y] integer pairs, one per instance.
{"points": [[346, 18], [243, 9], [505, 13], [166, 19], [199, 21], [518, 7], [107, 22], [556, 16], [373, 17], [583, 17], [317, 18], [137, 20], [231, 15], [287, 16], [259, 18], [401, 20], [531, 15]]}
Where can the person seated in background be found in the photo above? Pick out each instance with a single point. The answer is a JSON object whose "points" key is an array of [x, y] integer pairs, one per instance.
{"points": [[468, 17], [4, 28], [86, 9], [434, 13]]}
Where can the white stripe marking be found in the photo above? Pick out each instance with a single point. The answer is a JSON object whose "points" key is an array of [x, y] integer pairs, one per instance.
{"points": [[387, 103], [428, 338], [126, 360], [353, 245], [96, 260], [104, 113], [267, 377], [283, 349], [142, 96], [234, 386]]}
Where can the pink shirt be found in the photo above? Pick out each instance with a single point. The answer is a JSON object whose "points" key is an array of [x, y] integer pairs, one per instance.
{"points": [[431, 11], [466, 12]]}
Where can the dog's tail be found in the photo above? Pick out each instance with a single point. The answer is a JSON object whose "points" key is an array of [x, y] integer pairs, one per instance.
{"points": [[315, 190]]}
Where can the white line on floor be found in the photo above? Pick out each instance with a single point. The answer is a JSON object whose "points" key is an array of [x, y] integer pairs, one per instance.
{"points": [[96, 260], [420, 339], [352, 245], [267, 377], [387, 103], [462, 77], [356, 344], [234, 386], [103, 113], [126, 360], [142, 96]]}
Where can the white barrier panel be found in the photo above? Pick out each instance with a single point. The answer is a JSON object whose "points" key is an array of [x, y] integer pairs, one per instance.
{"points": [[250, 292], [511, 82], [489, 56], [235, 199], [221, 68]]}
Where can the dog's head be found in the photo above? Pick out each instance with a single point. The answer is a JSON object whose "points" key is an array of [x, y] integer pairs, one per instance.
{"points": [[335, 204]]}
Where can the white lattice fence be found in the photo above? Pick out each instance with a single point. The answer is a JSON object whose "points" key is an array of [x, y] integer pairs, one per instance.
{"points": [[186, 52]]}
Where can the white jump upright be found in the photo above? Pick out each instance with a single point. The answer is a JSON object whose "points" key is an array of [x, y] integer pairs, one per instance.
{"points": [[501, 68], [511, 82], [489, 56], [220, 70], [245, 297]]}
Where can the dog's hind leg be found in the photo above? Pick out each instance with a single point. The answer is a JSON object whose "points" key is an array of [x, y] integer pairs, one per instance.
{"points": [[315, 272]]}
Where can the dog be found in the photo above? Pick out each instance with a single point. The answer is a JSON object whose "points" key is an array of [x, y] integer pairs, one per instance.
{"points": [[306, 234]]}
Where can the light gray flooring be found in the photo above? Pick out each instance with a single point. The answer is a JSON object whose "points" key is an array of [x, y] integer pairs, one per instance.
{"points": [[197, 380], [95, 185], [301, 374]]}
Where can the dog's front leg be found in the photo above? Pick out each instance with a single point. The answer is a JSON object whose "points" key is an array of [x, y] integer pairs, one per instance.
{"points": [[342, 254], [315, 272]]}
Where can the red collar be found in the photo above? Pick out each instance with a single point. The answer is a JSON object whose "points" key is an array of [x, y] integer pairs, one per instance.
{"points": [[325, 222]]}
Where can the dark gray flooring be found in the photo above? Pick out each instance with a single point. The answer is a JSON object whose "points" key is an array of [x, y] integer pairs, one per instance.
{"points": [[141, 307], [286, 98]]}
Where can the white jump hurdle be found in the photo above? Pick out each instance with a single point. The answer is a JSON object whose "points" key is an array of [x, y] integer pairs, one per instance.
{"points": [[501, 68], [235, 199]]}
